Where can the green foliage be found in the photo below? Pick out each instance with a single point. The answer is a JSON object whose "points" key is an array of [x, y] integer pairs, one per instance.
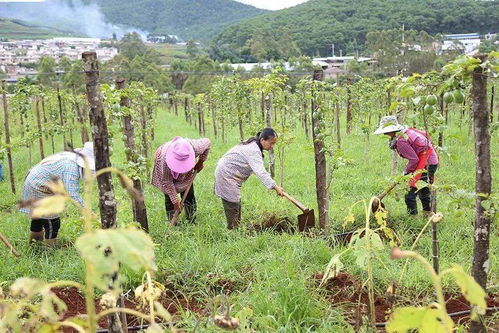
{"points": [[188, 19], [314, 25], [423, 319]]}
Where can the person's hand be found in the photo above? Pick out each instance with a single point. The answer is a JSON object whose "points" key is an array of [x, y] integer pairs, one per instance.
{"points": [[199, 166], [279, 190], [177, 206]]}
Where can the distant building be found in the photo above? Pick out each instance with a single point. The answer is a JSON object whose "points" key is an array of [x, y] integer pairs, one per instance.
{"points": [[465, 43]]}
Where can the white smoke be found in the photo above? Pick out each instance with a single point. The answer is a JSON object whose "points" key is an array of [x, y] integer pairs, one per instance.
{"points": [[86, 19]]}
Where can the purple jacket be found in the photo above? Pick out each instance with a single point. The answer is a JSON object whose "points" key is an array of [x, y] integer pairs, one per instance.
{"points": [[411, 144]]}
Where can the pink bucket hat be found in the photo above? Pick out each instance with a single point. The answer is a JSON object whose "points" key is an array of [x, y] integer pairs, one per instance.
{"points": [[180, 156]]}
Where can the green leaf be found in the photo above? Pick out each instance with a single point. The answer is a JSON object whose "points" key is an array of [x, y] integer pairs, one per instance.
{"points": [[421, 319], [48, 206], [471, 290], [333, 268], [106, 250]]}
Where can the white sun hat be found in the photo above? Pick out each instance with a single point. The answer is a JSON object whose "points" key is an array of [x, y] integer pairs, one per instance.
{"points": [[389, 124], [88, 152]]}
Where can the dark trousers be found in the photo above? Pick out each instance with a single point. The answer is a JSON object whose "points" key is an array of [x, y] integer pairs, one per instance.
{"points": [[423, 193], [189, 205], [232, 213]]}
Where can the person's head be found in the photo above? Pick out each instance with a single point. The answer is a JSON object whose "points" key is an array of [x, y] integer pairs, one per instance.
{"points": [[389, 126], [267, 138], [180, 156]]}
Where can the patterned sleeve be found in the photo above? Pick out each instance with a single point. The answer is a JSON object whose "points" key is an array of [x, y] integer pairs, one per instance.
{"points": [[167, 184], [406, 151], [255, 161], [201, 148], [71, 181]]}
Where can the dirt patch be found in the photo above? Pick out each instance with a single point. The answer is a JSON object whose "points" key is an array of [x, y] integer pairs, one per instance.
{"points": [[277, 224], [172, 301], [346, 291]]}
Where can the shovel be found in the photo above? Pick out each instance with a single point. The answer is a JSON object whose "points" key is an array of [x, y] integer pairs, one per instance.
{"points": [[305, 220], [377, 202], [174, 220]]}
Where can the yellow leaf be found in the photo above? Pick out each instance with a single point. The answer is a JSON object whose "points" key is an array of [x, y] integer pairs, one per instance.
{"points": [[48, 206]]}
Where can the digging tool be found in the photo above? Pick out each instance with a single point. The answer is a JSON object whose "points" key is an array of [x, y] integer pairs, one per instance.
{"points": [[376, 203], [177, 212], [9, 245], [305, 220]]}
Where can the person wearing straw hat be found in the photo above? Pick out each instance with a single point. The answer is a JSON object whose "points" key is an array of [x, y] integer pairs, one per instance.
{"points": [[174, 163], [66, 166], [415, 146]]}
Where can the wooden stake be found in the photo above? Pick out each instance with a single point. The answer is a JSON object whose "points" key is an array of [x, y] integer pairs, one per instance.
{"points": [[7, 136]]}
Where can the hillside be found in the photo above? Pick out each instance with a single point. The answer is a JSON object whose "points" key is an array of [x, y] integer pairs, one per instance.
{"points": [[17, 29], [196, 19], [316, 24]]}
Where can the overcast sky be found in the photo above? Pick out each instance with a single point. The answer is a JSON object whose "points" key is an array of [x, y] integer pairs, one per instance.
{"points": [[272, 4]]}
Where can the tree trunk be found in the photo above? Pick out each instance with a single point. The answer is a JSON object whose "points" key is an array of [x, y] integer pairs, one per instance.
{"points": [[492, 95], [200, 119], [138, 205], [214, 119], [442, 112], [483, 186], [240, 121], [7, 137], [81, 118], [320, 165], [338, 128], [107, 203], [268, 121], [349, 109], [39, 126], [186, 110], [305, 120], [61, 118], [144, 144]]}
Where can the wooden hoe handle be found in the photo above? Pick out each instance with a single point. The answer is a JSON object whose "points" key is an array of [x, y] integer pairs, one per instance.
{"points": [[388, 190], [177, 212], [9, 245], [296, 202]]}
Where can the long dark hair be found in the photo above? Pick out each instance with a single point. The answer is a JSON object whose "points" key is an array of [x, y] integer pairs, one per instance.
{"points": [[265, 134]]}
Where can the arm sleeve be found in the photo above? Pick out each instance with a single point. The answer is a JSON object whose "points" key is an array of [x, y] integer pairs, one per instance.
{"points": [[168, 185], [255, 162], [71, 181], [201, 148], [406, 151]]}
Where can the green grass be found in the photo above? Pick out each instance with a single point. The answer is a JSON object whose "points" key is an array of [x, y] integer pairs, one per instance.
{"points": [[17, 29], [168, 52], [270, 272]]}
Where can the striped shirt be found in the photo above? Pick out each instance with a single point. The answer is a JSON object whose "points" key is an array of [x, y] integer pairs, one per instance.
{"points": [[412, 143], [162, 176], [35, 184], [235, 167]]}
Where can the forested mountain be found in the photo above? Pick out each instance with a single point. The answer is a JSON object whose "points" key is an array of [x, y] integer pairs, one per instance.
{"points": [[313, 26], [196, 19]]}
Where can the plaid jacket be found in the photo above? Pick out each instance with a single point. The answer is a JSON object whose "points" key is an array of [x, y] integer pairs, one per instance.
{"points": [[40, 175]]}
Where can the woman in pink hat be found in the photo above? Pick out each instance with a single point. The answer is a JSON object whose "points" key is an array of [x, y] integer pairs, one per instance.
{"points": [[174, 162]]}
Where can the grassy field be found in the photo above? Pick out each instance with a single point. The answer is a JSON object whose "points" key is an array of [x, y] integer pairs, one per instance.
{"points": [[271, 274], [168, 52], [16, 29]]}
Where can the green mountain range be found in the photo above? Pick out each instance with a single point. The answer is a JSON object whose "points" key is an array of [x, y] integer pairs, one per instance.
{"points": [[315, 25], [188, 19]]}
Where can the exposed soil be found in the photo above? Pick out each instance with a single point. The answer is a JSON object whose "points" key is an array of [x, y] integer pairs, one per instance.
{"points": [[345, 290], [171, 300], [277, 224]]}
